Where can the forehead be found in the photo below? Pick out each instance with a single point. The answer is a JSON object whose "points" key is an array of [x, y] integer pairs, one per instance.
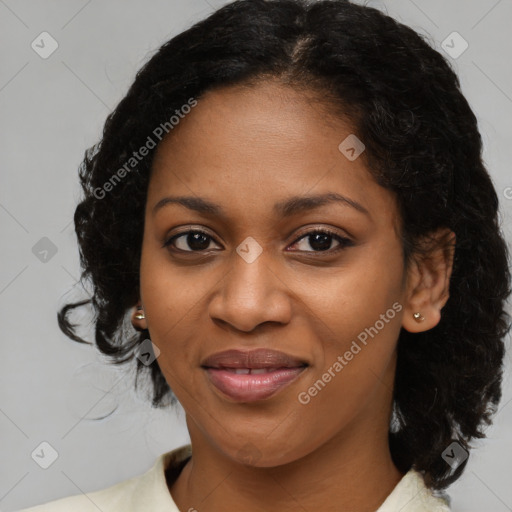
{"points": [[257, 146], [257, 124]]}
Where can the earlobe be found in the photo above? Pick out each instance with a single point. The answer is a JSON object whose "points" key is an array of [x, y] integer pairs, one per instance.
{"points": [[421, 321], [428, 284], [139, 318], [418, 317]]}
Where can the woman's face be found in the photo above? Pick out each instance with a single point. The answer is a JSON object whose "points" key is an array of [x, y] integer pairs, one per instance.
{"points": [[262, 277]]}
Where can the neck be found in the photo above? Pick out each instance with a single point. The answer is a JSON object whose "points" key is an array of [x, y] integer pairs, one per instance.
{"points": [[352, 471]]}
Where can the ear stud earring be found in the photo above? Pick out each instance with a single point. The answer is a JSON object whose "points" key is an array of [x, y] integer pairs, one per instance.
{"points": [[418, 317], [140, 315]]}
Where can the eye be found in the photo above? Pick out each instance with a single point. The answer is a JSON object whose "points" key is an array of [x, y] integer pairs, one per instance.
{"points": [[195, 240], [320, 240]]}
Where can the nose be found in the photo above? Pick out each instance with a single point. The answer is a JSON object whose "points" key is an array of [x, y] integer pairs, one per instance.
{"points": [[251, 294]]}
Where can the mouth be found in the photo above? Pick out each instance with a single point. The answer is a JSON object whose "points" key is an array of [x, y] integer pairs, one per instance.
{"points": [[248, 376], [250, 371]]}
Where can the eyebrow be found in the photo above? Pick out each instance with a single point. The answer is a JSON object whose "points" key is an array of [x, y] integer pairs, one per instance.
{"points": [[287, 208]]}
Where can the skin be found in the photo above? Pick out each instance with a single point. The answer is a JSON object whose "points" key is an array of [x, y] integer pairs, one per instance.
{"points": [[247, 148]]}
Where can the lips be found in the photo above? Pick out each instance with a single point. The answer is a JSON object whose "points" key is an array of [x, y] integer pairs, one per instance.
{"points": [[250, 371], [247, 376], [252, 359]]}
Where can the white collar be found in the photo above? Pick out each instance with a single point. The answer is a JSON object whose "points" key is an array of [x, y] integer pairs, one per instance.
{"points": [[150, 491], [409, 495]]}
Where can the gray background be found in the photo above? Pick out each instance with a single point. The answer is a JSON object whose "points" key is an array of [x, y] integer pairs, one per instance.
{"points": [[51, 109]]}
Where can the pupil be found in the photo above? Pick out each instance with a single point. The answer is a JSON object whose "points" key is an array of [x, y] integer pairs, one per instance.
{"points": [[324, 244], [194, 241]]}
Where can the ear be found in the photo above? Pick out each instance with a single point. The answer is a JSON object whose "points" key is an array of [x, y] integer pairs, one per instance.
{"points": [[428, 282], [138, 317]]}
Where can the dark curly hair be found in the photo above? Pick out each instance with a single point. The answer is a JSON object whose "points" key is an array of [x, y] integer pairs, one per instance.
{"points": [[422, 142]]}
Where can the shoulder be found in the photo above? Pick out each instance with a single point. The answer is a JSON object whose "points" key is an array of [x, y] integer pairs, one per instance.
{"points": [[109, 499], [412, 495], [148, 491], [106, 499]]}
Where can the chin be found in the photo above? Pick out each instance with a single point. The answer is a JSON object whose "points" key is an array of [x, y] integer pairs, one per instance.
{"points": [[265, 454]]}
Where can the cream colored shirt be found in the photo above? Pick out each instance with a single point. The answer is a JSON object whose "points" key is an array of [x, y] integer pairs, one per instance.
{"points": [[149, 493]]}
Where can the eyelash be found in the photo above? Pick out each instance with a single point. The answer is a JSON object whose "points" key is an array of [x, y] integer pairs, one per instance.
{"points": [[344, 242]]}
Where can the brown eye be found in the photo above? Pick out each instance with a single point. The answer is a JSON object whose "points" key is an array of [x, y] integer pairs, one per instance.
{"points": [[196, 241], [321, 241], [318, 241]]}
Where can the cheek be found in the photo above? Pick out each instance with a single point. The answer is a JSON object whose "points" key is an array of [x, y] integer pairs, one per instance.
{"points": [[171, 305], [171, 294], [357, 318], [346, 300], [335, 400], [355, 373]]}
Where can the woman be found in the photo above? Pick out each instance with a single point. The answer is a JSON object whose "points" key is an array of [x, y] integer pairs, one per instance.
{"points": [[291, 208]]}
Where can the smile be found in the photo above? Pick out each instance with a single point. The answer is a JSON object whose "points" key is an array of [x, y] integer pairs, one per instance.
{"points": [[252, 384]]}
